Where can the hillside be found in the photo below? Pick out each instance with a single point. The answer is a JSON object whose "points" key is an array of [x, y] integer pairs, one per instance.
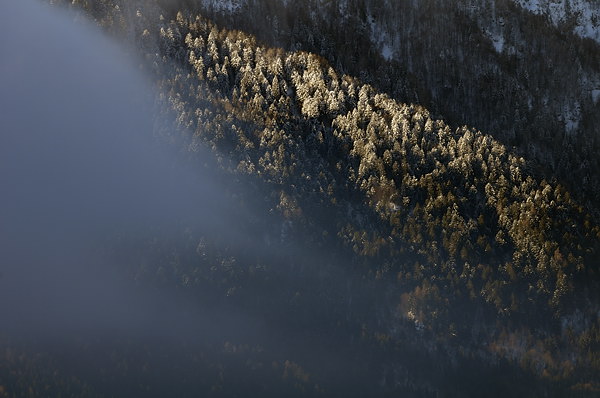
{"points": [[526, 78], [385, 249]]}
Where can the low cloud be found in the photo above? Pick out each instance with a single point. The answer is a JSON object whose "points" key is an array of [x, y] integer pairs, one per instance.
{"points": [[78, 165]]}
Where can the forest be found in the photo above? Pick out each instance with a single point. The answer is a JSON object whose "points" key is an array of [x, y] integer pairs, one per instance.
{"points": [[425, 224]]}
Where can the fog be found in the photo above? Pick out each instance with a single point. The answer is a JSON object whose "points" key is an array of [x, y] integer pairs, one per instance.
{"points": [[80, 169], [78, 166], [90, 196]]}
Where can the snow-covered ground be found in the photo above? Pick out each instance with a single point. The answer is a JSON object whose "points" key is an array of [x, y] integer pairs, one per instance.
{"points": [[497, 40], [586, 14], [229, 6], [596, 96], [381, 38]]}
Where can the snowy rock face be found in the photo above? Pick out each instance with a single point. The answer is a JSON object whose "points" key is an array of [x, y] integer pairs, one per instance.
{"points": [[583, 14]]}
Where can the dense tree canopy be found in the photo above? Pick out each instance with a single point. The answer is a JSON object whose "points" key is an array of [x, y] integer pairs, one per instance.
{"points": [[432, 244]]}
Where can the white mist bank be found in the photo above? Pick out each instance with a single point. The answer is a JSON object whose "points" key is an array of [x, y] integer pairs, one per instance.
{"points": [[78, 164]]}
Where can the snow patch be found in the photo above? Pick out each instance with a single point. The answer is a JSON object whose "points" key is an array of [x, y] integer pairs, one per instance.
{"points": [[571, 116], [380, 38], [229, 6], [497, 40], [343, 8], [387, 52], [596, 96], [584, 13]]}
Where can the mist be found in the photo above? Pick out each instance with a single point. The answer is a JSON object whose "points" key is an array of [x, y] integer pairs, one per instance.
{"points": [[80, 169], [82, 172], [79, 165]]}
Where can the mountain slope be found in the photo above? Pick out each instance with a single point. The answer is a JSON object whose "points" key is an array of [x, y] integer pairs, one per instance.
{"points": [[580, 15], [430, 247], [489, 64]]}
